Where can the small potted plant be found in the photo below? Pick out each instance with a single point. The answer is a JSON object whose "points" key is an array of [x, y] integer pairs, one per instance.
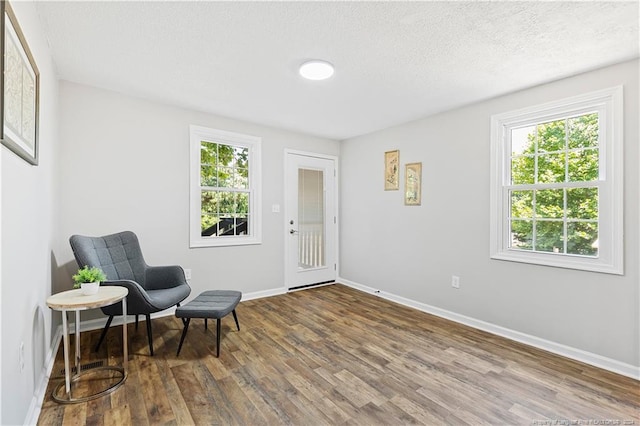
{"points": [[88, 279]]}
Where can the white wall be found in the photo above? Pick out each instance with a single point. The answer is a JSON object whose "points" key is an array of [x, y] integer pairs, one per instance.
{"points": [[412, 252], [28, 235], [125, 165]]}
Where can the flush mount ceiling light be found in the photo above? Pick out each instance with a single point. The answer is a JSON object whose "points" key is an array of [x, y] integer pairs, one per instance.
{"points": [[316, 70]]}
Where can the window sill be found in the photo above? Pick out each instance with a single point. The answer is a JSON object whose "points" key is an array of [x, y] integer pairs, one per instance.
{"points": [[225, 242], [560, 261]]}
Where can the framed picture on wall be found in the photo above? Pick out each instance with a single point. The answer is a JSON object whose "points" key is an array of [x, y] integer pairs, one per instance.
{"points": [[413, 184], [20, 90], [392, 170]]}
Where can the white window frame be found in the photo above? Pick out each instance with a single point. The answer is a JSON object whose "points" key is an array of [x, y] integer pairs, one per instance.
{"points": [[608, 103], [253, 143]]}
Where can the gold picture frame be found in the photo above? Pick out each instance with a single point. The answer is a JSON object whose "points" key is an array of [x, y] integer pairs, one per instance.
{"points": [[413, 184], [392, 170], [20, 89]]}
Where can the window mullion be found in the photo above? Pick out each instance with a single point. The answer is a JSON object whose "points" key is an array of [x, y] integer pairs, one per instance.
{"points": [[566, 150], [535, 156], [565, 233], [565, 224], [534, 222]]}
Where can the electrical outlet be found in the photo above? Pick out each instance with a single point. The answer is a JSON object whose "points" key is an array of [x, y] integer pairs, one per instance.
{"points": [[455, 281], [187, 274]]}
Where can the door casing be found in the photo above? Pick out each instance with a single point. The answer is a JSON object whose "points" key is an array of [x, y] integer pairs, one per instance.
{"points": [[289, 273]]}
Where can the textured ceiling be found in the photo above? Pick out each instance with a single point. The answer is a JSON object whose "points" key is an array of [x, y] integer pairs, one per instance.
{"points": [[395, 61]]}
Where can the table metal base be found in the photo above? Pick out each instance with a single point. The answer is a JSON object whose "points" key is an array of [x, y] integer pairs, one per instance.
{"points": [[67, 397], [75, 300]]}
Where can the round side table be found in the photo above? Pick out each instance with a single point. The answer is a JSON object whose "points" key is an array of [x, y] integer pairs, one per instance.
{"points": [[74, 300]]}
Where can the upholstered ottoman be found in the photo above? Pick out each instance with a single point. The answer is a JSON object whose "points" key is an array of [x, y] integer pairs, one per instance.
{"points": [[210, 304]]}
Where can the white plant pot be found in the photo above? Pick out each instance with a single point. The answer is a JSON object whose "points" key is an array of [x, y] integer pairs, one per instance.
{"points": [[89, 288]]}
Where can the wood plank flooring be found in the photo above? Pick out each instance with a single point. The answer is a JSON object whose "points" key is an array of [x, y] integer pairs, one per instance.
{"points": [[336, 356]]}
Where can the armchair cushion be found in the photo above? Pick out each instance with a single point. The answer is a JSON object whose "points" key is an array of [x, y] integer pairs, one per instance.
{"points": [[165, 298], [160, 277]]}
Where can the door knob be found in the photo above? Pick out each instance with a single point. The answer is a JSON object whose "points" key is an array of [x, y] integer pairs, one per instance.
{"points": [[293, 231]]}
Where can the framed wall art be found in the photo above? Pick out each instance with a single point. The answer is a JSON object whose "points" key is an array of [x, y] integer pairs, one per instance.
{"points": [[392, 170], [20, 89], [413, 184]]}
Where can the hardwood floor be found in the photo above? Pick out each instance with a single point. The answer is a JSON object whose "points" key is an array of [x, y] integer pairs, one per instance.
{"points": [[334, 355]]}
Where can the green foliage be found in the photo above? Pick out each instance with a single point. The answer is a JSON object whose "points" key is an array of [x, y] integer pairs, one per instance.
{"points": [[224, 176], [564, 151], [88, 275], [224, 166]]}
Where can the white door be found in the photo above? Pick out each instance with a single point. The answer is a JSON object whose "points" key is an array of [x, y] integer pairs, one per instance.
{"points": [[311, 223]]}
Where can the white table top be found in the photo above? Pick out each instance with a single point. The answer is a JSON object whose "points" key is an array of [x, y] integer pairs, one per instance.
{"points": [[75, 300]]}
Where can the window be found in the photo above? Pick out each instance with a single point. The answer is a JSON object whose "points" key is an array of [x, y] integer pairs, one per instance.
{"points": [[225, 188], [556, 191]]}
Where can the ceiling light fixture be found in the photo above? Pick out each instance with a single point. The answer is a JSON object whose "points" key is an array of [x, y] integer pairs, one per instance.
{"points": [[316, 70]]}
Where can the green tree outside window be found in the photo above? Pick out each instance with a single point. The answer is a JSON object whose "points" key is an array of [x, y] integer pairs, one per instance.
{"points": [[224, 181], [559, 214]]}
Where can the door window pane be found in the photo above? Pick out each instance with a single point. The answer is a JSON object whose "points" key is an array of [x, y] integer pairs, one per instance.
{"points": [[311, 248]]}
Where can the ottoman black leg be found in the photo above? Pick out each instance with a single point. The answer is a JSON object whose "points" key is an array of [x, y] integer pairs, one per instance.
{"points": [[235, 317], [218, 338], [184, 334]]}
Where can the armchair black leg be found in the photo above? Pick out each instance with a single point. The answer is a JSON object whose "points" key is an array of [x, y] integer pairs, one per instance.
{"points": [[136, 322], [235, 317], [149, 335], [104, 332]]}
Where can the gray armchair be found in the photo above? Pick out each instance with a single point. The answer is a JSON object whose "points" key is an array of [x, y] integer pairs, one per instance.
{"points": [[151, 288]]}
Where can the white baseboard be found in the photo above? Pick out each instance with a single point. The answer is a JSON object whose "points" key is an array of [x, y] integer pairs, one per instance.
{"points": [[556, 348], [39, 394], [264, 293], [99, 323]]}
